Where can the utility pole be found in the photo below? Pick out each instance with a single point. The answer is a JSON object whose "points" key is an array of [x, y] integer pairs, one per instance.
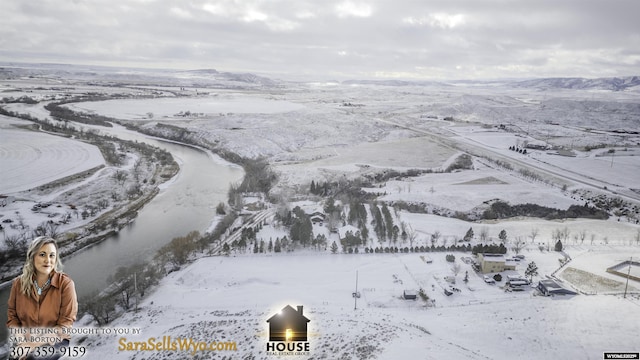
{"points": [[612, 154], [356, 294], [628, 276], [135, 289]]}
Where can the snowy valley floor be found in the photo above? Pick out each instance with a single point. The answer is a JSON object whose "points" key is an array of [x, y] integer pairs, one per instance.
{"points": [[231, 298], [315, 133]]}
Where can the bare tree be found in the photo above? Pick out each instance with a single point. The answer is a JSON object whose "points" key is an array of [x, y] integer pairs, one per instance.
{"points": [[411, 235], [102, 203], [484, 234], [533, 234], [179, 249], [101, 308], [134, 191], [565, 233], [592, 238], [518, 245], [434, 237], [120, 176], [16, 244], [333, 220], [146, 276], [124, 281], [455, 269], [21, 223], [136, 169], [40, 230], [582, 235], [638, 237]]}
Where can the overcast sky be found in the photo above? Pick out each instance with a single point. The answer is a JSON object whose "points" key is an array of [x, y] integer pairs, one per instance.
{"points": [[420, 39]]}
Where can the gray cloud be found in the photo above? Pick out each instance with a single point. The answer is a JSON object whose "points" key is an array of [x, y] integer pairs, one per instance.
{"points": [[343, 39]]}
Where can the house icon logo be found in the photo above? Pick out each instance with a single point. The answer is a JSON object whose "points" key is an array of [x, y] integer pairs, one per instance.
{"points": [[288, 325], [288, 332]]}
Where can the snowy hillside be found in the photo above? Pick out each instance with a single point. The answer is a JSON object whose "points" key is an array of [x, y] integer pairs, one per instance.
{"points": [[614, 84], [230, 299]]}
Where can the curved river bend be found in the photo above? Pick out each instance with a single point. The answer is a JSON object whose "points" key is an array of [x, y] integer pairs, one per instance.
{"points": [[185, 204]]}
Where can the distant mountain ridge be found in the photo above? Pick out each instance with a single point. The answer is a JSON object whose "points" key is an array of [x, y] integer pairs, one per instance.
{"points": [[200, 77], [393, 82], [575, 83], [613, 83], [248, 78]]}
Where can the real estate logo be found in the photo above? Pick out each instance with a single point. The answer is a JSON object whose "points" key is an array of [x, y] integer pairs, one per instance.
{"points": [[288, 332]]}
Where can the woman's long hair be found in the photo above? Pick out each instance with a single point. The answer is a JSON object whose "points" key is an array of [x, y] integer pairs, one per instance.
{"points": [[29, 270]]}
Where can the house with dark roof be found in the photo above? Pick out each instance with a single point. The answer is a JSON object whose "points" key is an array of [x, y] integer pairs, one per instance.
{"points": [[317, 218], [548, 287], [288, 325], [409, 295]]}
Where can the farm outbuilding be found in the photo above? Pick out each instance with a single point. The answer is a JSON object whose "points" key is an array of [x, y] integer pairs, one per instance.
{"points": [[494, 263], [549, 287], [409, 295]]}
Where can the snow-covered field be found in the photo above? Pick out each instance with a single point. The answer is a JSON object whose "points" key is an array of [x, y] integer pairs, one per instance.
{"points": [[230, 299], [163, 108], [32, 159], [329, 132]]}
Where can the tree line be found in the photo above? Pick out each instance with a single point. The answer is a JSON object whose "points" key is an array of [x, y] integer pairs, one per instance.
{"points": [[503, 210]]}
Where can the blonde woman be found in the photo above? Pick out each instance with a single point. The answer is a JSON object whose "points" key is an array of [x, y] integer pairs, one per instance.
{"points": [[42, 298]]}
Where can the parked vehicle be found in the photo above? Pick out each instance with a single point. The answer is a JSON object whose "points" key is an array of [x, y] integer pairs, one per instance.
{"points": [[447, 292], [489, 280]]}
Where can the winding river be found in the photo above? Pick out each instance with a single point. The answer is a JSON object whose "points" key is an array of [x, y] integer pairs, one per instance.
{"points": [[186, 203]]}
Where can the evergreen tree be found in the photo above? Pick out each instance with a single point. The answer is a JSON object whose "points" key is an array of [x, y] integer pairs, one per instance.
{"points": [[378, 222], [276, 246], [364, 233], [503, 235], [558, 246], [330, 206], [396, 233], [388, 221], [353, 217], [301, 228], [255, 247], [334, 248], [313, 187], [320, 241], [502, 249], [466, 277], [469, 235], [270, 246], [242, 244], [362, 215], [532, 270]]}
